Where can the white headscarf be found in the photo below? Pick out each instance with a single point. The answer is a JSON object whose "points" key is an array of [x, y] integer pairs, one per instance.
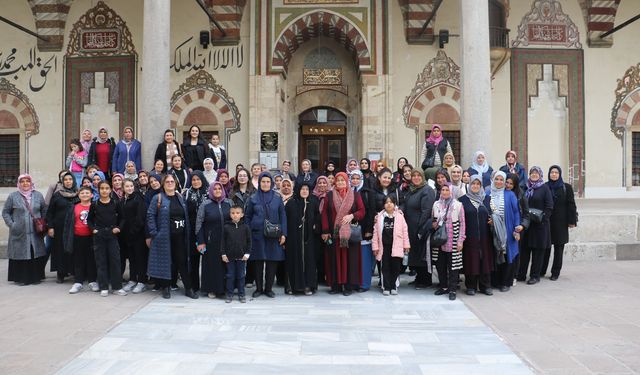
{"points": [[481, 169], [497, 195]]}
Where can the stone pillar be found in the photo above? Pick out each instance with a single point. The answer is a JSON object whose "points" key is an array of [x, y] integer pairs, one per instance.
{"points": [[155, 96], [476, 80]]}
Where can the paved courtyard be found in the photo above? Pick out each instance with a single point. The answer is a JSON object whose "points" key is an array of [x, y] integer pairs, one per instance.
{"points": [[587, 322]]}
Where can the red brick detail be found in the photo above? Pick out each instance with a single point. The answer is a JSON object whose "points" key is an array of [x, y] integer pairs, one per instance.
{"points": [[456, 95], [430, 95], [443, 90], [635, 121], [418, 105], [225, 109], [3, 98], [214, 99], [200, 116], [8, 120], [15, 102], [174, 124], [176, 109], [187, 99], [200, 94], [414, 120], [443, 114], [228, 123]]}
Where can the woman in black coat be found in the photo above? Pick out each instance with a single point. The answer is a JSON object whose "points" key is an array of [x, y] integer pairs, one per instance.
{"points": [[132, 235], [538, 237], [167, 149], [417, 207], [562, 218], [195, 196], [61, 202], [306, 174], [195, 150]]}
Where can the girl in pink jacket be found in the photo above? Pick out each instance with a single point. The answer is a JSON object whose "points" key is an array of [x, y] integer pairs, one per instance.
{"points": [[390, 243]]}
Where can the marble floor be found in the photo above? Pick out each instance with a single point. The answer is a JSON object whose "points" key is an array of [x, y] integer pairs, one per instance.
{"points": [[412, 333]]}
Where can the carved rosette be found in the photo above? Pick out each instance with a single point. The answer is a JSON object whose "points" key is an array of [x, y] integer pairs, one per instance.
{"points": [[101, 18], [546, 24], [29, 117], [627, 96], [439, 70]]}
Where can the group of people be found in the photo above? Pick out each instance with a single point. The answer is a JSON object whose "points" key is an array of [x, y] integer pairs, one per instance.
{"points": [[187, 218]]}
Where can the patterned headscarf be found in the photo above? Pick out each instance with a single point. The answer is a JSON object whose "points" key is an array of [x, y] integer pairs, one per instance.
{"points": [[26, 193], [435, 140], [222, 197], [534, 185]]}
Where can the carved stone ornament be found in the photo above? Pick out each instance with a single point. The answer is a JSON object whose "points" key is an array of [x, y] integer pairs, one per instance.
{"points": [[627, 97], [100, 32], [546, 24], [29, 117], [440, 70], [205, 81]]}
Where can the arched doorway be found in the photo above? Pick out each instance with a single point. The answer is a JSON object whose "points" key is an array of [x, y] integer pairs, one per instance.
{"points": [[323, 137]]}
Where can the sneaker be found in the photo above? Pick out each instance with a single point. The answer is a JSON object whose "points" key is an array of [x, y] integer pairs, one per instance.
{"points": [[104, 293], [394, 292], [242, 299], [94, 286], [130, 285], [211, 295], [140, 287], [228, 299], [121, 292], [248, 285], [75, 288], [174, 288], [386, 293]]}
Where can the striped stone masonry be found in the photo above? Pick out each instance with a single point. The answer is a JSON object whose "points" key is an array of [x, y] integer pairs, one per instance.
{"points": [[415, 13], [600, 17], [228, 13], [50, 17]]}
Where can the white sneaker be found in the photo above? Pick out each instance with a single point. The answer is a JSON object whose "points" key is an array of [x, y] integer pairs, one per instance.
{"points": [[140, 287], [129, 286], [394, 292], [75, 288], [94, 286], [385, 293], [104, 293], [121, 292]]}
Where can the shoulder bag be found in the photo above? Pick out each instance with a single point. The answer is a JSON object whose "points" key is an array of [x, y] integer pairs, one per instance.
{"points": [[39, 223], [440, 235], [537, 215], [271, 230]]}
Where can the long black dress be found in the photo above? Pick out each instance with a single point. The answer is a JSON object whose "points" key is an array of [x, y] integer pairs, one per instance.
{"points": [[302, 243], [211, 218], [477, 257], [61, 203], [417, 212]]}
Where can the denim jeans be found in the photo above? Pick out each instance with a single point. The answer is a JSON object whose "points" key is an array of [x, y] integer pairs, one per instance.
{"points": [[236, 272]]}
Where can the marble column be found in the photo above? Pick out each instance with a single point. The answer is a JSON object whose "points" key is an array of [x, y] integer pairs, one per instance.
{"points": [[476, 80], [155, 96]]}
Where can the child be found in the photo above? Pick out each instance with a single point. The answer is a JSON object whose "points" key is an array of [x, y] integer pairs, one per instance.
{"points": [[134, 212], [78, 236], [236, 248], [105, 220], [390, 243]]}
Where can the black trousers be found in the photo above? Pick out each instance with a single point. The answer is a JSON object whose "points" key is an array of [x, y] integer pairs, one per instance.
{"points": [[558, 252], [107, 253], [265, 274], [84, 260], [506, 272], [423, 276], [447, 278], [390, 268], [138, 254], [536, 256], [477, 282], [251, 272], [179, 261], [194, 262]]}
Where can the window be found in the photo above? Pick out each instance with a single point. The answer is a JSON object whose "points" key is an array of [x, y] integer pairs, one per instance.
{"points": [[635, 159], [453, 136], [9, 160]]}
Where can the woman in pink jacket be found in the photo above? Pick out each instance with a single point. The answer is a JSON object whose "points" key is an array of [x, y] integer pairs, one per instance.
{"points": [[390, 243]]}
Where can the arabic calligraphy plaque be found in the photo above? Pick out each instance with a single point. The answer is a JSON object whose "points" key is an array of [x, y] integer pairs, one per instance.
{"points": [[298, 2], [322, 76], [548, 33], [99, 40]]}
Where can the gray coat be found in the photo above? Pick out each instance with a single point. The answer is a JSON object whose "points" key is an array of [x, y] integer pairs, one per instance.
{"points": [[21, 233]]}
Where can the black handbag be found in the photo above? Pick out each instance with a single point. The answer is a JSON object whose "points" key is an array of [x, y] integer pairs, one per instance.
{"points": [[536, 215], [429, 161], [271, 230], [356, 233], [440, 236]]}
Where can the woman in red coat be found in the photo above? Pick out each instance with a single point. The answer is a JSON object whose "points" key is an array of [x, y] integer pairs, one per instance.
{"points": [[343, 262]]}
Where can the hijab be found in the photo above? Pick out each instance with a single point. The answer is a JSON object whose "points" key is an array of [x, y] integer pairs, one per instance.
{"points": [[133, 176], [287, 197], [480, 168], [222, 197], [366, 172], [412, 186], [321, 195], [71, 192], [211, 175], [227, 187], [532, 186], [100, 140], [342, 203], [361, 184], [497, 195], [265, 197], [86, 145], [434, 140], [346, 167], [452, 163], [119, 192], [477, 199], [446, 202], [512, 167], [26, 193], [326, 167], [555, 185], [123, 140]]}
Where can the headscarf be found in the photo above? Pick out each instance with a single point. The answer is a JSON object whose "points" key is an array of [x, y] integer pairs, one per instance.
{"points": [[73, 191], [26, 193], [557, 184], [477, 199], [358, 172], [265, 197], [534, 185], [127, 143], [86, 145], [222, 197], [287, 197], [516, 183], [198, 195], [133, 176], [342, 203], [452, 164], [211, 175], [481, 169], [306, 175], [100, 140], [326, 167], [366, 172], [346, 167], [227, 187], [119, 192], [511, 167], [434, 140], [321, 195], [412, 186], [447, 202], [497, 195]]}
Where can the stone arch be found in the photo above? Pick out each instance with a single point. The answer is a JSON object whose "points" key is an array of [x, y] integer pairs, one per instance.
{"points": [[628, 108], [627, 98], [314, 24], [17, 104], [440, 97]]}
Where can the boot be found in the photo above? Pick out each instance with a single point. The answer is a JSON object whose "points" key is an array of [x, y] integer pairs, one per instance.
{"points": [[189, 293], [166, 293]]}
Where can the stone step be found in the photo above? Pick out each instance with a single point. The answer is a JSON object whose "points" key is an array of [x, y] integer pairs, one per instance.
{"points": [[589, 251], [628, 251], [606, 227]]}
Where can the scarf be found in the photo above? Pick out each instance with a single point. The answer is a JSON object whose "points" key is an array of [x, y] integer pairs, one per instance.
{"points": [[71, 192], [288, 196], [211, 175], [346, 167], [321, 195], [342, 203], [477, 199], [222, 197], [361, 184], [445, 203], [86, 145], [532, 186], [497, 195], [26, 193], [556, 185], [100, 140], [227, 187], [413, 187], [481, 169], [265, 197], [452, 163], [366, 172], [119, 192], [434, 140], [512, 167]]}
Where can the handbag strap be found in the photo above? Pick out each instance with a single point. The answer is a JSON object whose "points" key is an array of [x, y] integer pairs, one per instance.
{"points": [[28, 207]]}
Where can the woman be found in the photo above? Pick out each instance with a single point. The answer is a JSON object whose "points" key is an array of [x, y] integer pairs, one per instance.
{"points": [[380, 165], [320, 192], [417, 206], [384, 186], [538, 236], [194, 197], [159, 167], [477, 259], [142, 183], [128, 149], [86, 139], [512, 183], [256, 170], [25, 249], [466, 177], [459, 187], [168, 230], [240, 194], [331, 178], [55, 187], [167, 149], [516, 168], [212, 215], [116, 185], [265, 206], [154, 188], [505, 211], [343, 207], [449, 162], [442, 178], [195, 150], [86, 181], [480, 166], [101, 151], [286, 190], [300, 255], [352, 165], [306, 174], [223, 178], [130, 171], [397, 175], [448, 211], [131, 238], [178, 171], [330, 167], [433, 150], [277, 180], [218, 153], [562, 218], [367, 174], [61, 202], [209, 172], [77, 160], [405, 182], [358, 184]]}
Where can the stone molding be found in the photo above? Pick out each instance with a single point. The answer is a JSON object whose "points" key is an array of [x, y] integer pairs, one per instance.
{"points": [[627, 98], [19, 106], [547, 25]]}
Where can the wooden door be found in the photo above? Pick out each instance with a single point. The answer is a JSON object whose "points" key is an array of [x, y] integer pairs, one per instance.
{"points": [[323, 148]]}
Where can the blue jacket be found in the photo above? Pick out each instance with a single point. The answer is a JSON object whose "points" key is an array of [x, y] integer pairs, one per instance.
{"points": [[522, 175], [120, 156], [511, 220], [159, 230], [265, 248]]}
